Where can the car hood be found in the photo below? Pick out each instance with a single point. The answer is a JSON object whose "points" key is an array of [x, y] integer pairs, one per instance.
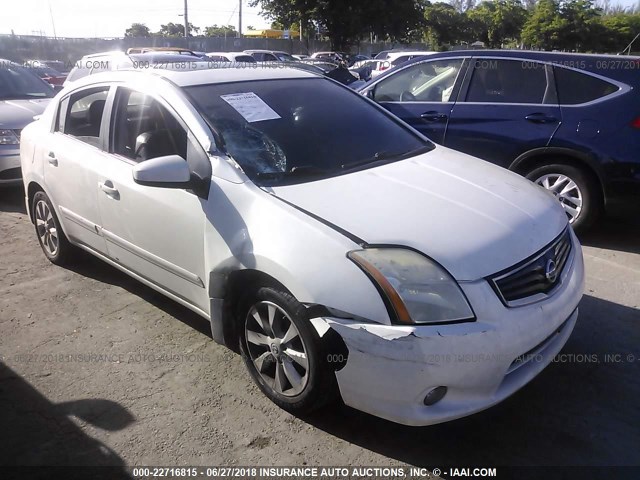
{"points": [[472, 217], [17, 114]]}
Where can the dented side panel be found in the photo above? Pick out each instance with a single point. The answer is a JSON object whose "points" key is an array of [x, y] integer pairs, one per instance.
{"points": [[247, 228]]}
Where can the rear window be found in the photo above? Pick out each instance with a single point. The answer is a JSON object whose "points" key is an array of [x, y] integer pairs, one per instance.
{"points": [[77, 73], [285, 57], [245, 59], [400, 60], [288, 131], [575, 88]]}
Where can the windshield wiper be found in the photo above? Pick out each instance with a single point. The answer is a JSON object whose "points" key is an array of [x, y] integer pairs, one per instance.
{"points": [[385, 155], [298, 172]]}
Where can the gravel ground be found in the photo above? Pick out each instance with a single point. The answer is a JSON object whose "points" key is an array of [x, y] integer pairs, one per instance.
{"points": [[148, 386]]}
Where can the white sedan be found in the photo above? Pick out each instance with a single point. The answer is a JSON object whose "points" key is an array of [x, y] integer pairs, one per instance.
{"points": [[338, 250]]}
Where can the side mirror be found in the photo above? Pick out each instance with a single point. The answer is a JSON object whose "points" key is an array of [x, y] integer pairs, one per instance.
{"points": [[171, 171], [370, 93]]}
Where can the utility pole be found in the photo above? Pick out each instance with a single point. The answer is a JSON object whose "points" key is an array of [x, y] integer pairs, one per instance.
{"points": [[53, 24], [186, 20], [240, 19]]}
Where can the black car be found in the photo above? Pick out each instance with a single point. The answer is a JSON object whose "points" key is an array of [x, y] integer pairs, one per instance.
{"points": [[569, 122]]}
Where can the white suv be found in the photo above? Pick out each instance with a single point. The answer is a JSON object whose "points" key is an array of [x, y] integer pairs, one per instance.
{"points": [[341, 252]]}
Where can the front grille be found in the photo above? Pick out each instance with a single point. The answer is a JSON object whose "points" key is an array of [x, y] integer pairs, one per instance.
{"points": [[538, 274]]}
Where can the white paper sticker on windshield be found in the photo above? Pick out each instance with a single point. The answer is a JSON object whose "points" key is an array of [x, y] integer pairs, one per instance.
{"points": [[250, 106]]}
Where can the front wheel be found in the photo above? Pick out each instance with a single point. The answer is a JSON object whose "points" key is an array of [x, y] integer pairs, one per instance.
{"points": [[576, 191], [283, 353]]}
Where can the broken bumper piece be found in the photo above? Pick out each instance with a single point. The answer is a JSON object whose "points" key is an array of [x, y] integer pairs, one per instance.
{"points": [[391, 370]]}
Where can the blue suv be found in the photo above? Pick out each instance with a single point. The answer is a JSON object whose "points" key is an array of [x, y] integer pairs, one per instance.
{"points": [[569, 122]]}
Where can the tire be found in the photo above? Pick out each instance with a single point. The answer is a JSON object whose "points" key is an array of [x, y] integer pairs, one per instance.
{"points": [[582, 201], [271, 352], [53, 241]]}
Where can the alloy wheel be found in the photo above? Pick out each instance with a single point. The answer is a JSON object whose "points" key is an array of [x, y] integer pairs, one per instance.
{"points": [[277, 349], [46, 227], [566, 191]]}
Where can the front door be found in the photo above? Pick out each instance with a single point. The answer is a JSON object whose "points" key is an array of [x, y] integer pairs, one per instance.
{"points": [[157, 233], [423, 94]]}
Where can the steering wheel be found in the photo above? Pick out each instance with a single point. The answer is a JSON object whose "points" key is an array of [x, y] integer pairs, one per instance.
{"points": [[407, 97]]}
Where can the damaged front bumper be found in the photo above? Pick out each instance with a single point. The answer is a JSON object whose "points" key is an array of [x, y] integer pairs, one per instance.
{"points": [[390, 369]]}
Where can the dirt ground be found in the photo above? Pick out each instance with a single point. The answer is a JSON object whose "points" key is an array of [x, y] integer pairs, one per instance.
{"points": [[98, 369]]}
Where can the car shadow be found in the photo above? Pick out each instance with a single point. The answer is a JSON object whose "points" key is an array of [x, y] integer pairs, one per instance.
{"points": [[93, 267], [581, 410], [12, 200], [40, 433], [614, 233]]}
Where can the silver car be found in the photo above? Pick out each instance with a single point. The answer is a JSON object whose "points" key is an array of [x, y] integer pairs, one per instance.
{"points": [[23, 95]]}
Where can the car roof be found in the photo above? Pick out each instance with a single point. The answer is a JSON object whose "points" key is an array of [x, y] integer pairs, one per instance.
{"points": [[409, 53], [227, 53], [265, 51], [199, 73], [619, 67], [114, 53]]}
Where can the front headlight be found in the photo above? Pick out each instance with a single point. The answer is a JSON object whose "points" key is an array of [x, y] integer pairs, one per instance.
{"points": [[8, 137], [415, 287]]}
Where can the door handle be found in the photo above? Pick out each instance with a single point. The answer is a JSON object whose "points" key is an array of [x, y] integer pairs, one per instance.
{"points": [[433, 116], [52, 159], [540, 118], [108, 188]]}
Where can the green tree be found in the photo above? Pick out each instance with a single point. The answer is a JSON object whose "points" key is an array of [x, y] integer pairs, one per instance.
{"points": [[221, 31], [542, 28], [582, 29], [346, 22], [444, 25], [620, 30], [137, 30], [176, 30], [498, 22]]}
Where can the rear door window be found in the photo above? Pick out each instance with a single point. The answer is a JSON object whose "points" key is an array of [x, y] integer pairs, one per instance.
{"points": [[84, 116], [575, 87], [510, 81]]}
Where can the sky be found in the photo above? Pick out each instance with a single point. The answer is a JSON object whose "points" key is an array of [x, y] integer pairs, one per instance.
{"points": [[110, 18]]}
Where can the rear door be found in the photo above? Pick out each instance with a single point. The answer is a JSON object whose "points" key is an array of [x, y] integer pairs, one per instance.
{"points": [[423, 94], [74, 158], [506, 107]]}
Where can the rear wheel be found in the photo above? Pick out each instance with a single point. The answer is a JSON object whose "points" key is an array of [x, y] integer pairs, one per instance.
{"points": [[53, 241], [575, 189], [283, 353]]}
